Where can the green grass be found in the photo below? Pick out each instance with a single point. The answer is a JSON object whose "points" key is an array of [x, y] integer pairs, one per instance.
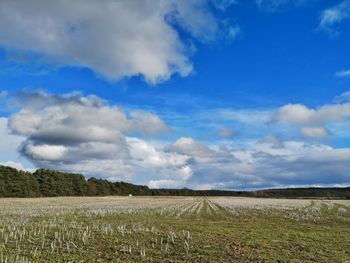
{"points": [[207, 233]]}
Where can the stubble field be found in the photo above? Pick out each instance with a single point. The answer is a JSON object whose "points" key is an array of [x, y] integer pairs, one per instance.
{"points": [[173, 229]]}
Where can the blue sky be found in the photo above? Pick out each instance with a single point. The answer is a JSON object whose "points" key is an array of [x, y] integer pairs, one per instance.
{"points": [[203, 94]]}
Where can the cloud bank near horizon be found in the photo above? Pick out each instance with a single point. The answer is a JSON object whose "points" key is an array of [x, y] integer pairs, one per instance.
{"points": [[85, 134]]}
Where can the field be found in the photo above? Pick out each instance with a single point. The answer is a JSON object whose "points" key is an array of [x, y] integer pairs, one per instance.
{"points": [[173, 229]]}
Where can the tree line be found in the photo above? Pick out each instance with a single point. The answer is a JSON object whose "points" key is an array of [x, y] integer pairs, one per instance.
{"points": [[48, 183]]}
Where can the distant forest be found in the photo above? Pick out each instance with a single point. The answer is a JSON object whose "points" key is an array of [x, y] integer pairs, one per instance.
{"points": [[46, 183]]}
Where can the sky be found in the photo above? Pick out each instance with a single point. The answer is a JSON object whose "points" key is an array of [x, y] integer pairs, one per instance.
{"points": [[205, 94]]}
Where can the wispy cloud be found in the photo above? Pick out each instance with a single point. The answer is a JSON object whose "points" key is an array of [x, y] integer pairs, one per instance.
{"points": [[3, 94], [275, 5], [225, 132], [343, 73], [344, 97], [223, 5], [332, 16]]}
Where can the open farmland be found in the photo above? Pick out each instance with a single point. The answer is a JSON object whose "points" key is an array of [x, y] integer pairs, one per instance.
{"points": [[173, 229]]}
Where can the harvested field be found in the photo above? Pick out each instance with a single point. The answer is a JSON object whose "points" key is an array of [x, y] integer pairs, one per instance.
{"points": [[173, 229]]}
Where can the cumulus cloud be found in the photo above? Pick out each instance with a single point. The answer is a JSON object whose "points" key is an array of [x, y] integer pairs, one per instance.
{"points": [[147, 123], [74, 118], [332, 16], [200, 153], [207, 163], [296, 113], [77, 132], [312, 120], [115, 38], [148, 156], [300, 114]]}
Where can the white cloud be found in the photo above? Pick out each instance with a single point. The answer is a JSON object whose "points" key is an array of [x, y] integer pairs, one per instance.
{"points": [[314, 132], [195, 17], [300, 114], [115, 38], [149, 156], [45, 152], [85, 134], [333, 16], [199, 153], [311, 120], [147, 123], [343, 73], [296, 113], [74, 118]]}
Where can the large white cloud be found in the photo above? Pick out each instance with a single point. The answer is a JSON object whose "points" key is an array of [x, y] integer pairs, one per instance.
{"points": [[85, 134], [115, 38], [73, 118]]}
